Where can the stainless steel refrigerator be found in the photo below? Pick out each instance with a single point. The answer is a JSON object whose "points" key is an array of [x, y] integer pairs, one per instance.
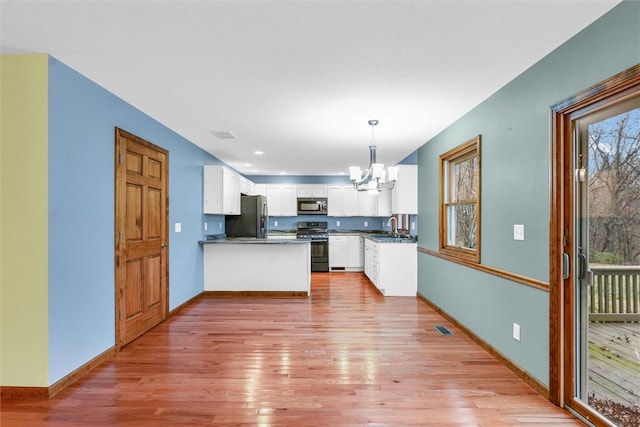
{"points": [[252, 221]]}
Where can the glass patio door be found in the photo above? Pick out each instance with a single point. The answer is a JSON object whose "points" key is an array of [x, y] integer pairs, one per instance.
{"points": [[607, 262]]}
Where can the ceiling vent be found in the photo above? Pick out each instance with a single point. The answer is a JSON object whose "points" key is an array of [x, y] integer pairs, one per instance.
{"points": [[223, 134]]}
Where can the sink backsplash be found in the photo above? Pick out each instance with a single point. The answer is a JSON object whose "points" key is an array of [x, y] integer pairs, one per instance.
{"points": [[358, 223]]}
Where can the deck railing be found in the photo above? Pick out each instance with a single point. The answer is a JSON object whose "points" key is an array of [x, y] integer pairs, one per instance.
{"points": [[615, 294]]}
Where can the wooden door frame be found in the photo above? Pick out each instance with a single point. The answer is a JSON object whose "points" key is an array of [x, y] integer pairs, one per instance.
{"points": [[119, 212], [614, 90]]}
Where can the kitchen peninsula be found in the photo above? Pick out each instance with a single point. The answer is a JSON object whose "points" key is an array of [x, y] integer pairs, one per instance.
{"points": [[248, 265]]}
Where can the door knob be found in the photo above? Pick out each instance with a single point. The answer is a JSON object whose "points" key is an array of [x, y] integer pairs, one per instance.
{"points": [[164, 245]]}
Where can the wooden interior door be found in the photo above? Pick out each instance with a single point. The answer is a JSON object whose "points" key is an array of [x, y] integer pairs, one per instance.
{"points": [[141, 236]]}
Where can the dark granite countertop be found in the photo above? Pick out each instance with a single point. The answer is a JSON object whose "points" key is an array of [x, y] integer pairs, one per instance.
{"points": [[253, 241]]}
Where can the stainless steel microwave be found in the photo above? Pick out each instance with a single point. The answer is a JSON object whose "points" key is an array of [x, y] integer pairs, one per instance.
{"points": [[312, 206]]}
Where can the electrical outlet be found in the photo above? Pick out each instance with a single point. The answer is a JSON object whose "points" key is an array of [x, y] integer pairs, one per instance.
{"points": [[220, 226], [516, 332], [413, 225], [275, 223], [366, 223], [337, 223], [518, 232], [205, 226]]}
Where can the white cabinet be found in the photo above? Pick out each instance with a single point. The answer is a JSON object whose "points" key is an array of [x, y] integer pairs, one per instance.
{"points": [[289, 200], [274, 199], [367, 203], [355, 253], [346, 253], [342, 201], [312, 190], [338, 252], [349, 201], [247, 186], [384, 204], [392, 267], [334, 200], [260, 189], [282, 200], [371, 261], [404, 196], [377, 204], [221, 191]]}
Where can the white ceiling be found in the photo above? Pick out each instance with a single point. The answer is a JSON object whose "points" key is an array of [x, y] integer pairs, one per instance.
{"points": [[299, 79]]}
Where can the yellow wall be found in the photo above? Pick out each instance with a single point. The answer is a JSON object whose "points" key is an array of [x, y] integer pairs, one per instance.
{"points": [[23, 220]]}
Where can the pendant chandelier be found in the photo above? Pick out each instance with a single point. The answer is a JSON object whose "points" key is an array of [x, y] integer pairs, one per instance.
{"points": [[374, 179]]}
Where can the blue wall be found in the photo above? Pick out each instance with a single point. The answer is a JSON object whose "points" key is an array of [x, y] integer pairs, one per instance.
{"points": [[515, 128], [82, 118], [347, 223]]}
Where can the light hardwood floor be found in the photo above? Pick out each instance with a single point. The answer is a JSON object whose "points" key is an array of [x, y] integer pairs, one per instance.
{"points": [[346, 356]]}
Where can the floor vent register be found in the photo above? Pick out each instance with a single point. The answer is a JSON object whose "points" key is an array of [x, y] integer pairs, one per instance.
{"points": [[443, 330]]}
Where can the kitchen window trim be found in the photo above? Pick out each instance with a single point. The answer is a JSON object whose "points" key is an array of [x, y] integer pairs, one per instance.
{"points": [[465, 151]]}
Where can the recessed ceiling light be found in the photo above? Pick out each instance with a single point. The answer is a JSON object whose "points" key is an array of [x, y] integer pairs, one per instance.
{"points": [[223, 134], [283, 173], [258, 152], [248, 165]]}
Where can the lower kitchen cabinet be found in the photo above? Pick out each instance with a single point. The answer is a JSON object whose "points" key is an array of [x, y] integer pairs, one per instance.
{"points": [[371, 260], [355, 253], [346, 253], [392, 267]]}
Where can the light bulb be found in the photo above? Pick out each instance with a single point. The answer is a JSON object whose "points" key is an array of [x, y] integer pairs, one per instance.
{"points": [[378, 170], [355, 173]]}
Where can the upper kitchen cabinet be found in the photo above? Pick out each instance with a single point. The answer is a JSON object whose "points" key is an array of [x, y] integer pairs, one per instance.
{"points": [[247, 186], [312, 190], [350, 201], [404, 196], [342, 200], [260, 189], [282, 199], [384, 204], [221, 191], [377, 204]]}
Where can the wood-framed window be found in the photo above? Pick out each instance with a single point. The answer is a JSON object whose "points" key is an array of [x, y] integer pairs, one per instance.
{"points": [[460, 201]]}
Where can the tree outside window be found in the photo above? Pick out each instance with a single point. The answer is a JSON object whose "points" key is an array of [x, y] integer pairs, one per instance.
{"points": [[460, 201], [614, 189]]}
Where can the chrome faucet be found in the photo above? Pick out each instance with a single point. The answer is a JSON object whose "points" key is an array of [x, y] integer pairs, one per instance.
{"points": [[394, 231]]}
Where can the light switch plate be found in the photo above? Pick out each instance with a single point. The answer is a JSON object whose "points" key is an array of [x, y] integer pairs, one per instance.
{"points": [[518, 232], [516, 332], [178, 227], [205, 226]]}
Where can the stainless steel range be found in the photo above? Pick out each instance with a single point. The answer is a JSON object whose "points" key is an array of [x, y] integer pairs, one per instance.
{"points": [[316, 231]]}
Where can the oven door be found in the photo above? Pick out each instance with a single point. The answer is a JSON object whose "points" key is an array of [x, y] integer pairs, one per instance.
{"points": [[320, 255]]}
